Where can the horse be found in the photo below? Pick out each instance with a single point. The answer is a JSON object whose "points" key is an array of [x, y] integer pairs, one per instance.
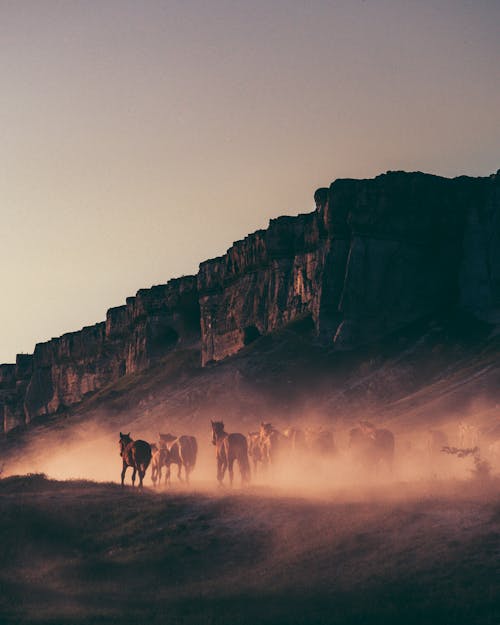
{"points": [[228, 448], [254, 449], [272, 443], [371, 446], [182, 451], [135, 454], [158, 461], [320, 442], [296, 439]]}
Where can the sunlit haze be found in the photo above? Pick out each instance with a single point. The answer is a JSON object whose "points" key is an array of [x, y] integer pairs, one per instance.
{"points": [[141, 138]]}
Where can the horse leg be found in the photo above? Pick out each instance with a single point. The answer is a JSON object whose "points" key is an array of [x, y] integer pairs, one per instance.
{"points": [[179, 467], [231, 471], [142, 473], [133, 475], [221, 470], [167, 475], [123, 472]]}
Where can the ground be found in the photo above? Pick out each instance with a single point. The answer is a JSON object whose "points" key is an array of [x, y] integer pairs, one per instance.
{"points": [[78, 552]]}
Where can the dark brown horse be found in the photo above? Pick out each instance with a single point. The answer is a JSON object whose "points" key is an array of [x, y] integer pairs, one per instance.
{"points": [[228, 448], [371, 447], [182, 451], [135, 454]]}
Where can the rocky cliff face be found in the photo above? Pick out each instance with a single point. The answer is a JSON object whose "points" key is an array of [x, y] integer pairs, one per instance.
{"points": [[14, 380], [262, 283], [479, 276], [396, 242], [132, 338], [374, 256]]}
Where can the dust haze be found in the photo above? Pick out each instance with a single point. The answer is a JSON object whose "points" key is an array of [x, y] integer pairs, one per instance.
{"points": [[88, 450]]}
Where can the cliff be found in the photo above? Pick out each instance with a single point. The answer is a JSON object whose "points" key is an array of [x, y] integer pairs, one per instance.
{"points": [[262, 283], [374, 256], [133, 337]]}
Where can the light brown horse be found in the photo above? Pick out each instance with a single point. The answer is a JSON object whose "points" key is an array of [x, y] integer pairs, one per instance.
{"points": [[254, 449], [273, 444], [228, 448], [158, 461], [135, 454], [182, 451]]}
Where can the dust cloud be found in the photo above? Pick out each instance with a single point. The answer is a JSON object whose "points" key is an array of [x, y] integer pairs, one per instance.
{"points": [[89, 450]]}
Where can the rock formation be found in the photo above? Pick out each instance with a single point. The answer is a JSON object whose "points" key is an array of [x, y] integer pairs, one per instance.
{"points": [[132, 338], [374, 256]]}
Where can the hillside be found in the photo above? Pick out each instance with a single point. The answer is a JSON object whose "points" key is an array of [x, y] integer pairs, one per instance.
{"points": [[80, 552]]}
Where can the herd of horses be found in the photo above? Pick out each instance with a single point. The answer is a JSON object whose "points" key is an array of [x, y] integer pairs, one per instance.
{"points": [[370, 448]]}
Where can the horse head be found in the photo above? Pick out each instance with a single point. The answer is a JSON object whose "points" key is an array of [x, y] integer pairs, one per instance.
{"points": [[124, 441], [266, 429], [217, 430]]}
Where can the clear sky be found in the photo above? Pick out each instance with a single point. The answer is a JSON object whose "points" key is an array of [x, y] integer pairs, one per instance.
{"points": [[139, 138]]}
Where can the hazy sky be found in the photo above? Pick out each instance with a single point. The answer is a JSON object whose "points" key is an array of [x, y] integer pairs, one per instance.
{"points": [[140, 138]]}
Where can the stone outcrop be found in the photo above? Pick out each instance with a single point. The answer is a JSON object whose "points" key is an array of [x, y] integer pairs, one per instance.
{"points": [[14, 380], [133, 338], [374, 256], [266, 281], [396, 245], [480, 265]]}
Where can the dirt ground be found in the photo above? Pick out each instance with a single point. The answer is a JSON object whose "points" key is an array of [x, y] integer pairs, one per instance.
{"points": [[78, 552]]}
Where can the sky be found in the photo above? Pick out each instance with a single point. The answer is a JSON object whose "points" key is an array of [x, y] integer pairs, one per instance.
{"points": [[138, 139]]}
